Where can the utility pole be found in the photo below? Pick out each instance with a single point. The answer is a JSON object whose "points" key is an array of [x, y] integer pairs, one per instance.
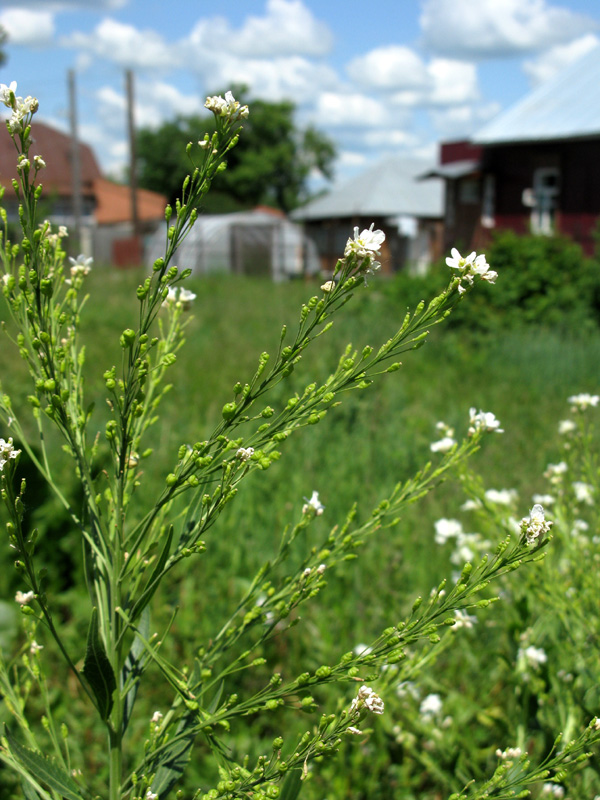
{"points": [[76, 205], [132, 155]]}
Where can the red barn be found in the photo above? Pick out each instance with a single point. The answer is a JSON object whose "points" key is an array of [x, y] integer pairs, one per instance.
{"points": [[535, 167]]}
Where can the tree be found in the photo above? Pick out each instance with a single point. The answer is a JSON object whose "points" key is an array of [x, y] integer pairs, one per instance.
{"points": [[270, 165], [3, 42]]}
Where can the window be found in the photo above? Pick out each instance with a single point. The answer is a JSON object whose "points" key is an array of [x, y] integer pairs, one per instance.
{"points": [[544, 201]]}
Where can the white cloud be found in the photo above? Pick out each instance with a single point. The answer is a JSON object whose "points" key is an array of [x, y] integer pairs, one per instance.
{"points": [[350, 110], [555, 59], [449, 83], [126, 46], [393, 67], [393, 138], [30, 28], [460, 121], [157, 101], [288, 28], [495, 28]]}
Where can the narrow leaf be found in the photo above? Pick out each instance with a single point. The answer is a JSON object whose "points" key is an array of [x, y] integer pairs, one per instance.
{"points": [[152, 584], [97, 669], [28, 791], [135, 664], [292, 785], [44, 769], [169, 766]]}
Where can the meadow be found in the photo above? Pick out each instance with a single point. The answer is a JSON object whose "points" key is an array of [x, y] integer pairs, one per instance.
{"points": [[368, 444]]}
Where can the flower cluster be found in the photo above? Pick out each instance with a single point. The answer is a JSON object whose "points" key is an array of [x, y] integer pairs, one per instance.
{"points": [[535, 526], [7, 451], [368, 699], [24, 598], [226, 107], [245, 453], [313, 505], [470, 266], [80, 266], [181, 297], [483, 420], [364, 247], [21, 108], [447, 441], [581, 402]]}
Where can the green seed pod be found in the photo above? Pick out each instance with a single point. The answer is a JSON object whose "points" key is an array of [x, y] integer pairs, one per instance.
{"points": [[228, 411]]}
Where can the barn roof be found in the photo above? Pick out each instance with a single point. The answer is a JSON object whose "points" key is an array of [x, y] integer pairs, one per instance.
{"points": [[567, 106], [55, 148], [389, 188]]}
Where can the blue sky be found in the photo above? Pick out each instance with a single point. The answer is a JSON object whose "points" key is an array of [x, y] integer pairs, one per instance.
{"points": [[379, 77]]}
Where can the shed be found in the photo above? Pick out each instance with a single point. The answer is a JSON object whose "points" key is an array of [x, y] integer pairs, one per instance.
{"points": [[390, 195]]}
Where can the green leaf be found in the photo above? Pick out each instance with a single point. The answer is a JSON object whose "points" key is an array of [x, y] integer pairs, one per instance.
{"points": [[28, 791], [153, 582], [135, 664], [169, 766], [44, 769], [97, 669], [292, 785]]}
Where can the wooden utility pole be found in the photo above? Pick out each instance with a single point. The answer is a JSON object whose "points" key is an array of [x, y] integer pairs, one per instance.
{"points": [[75, 159], [132, 154]]}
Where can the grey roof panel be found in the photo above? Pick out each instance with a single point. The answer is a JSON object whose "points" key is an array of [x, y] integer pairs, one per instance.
{"points": [[389, 188], [564, 107]]}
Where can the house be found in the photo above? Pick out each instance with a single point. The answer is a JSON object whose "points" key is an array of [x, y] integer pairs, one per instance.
{"points": [[389, 195], [259, 242], [535, 167], [106, 226]]}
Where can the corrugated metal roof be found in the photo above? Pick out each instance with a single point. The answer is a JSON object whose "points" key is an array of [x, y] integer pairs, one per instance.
{"points": [[564, 107], [389, 188]]}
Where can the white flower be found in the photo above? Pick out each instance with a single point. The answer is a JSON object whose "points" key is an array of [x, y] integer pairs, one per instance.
{"points": [[321, 569], [367, 698], [483, 420], [501, 497], [181, 297], [156, 717], [581, 402], [442, 445], [314, 505], [245, 453], [543, 499], [510, 752], [555, 472], [328, 286], [471, 504], [6, 91], [566, 426], [354, 731], [533, 656], [447, 529], [226, 107], [535, 526], [24, 598], [7, 451], [430, 706], [38, 162], [470, 265], [365, 246], [362, 650], [81, 265], [583, 492], [150, 795], [463, 620], [554, 790], [35, 648], [408, 689], [185, 298]]}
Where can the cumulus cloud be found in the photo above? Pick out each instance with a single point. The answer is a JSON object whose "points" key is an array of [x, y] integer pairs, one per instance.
{"points": [[449, 83], [555, 59], [393, 67], [496, 28], [352, 110], [125, 45], [74, 5], [28, 27], [459, 121], [287, 28]]}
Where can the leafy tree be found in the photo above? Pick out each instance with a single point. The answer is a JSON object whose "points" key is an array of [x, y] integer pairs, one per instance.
{"points": [[3, 42], [270, 165]]}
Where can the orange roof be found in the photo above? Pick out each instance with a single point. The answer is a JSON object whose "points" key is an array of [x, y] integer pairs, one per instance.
{"points": [[113, 203]]}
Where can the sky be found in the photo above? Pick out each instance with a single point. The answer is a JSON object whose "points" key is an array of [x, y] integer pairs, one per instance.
{"points": [[379, 77]]}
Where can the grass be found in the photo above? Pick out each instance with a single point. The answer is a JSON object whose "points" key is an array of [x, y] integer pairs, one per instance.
{"points": [[358, 452]]}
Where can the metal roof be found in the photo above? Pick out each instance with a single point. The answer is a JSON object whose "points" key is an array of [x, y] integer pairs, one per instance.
{"points": [[387, 189], [566, 106], [453, 170]]}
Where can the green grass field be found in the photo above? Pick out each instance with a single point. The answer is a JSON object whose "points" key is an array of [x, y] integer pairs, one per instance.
{"points": [[357, 453]]}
